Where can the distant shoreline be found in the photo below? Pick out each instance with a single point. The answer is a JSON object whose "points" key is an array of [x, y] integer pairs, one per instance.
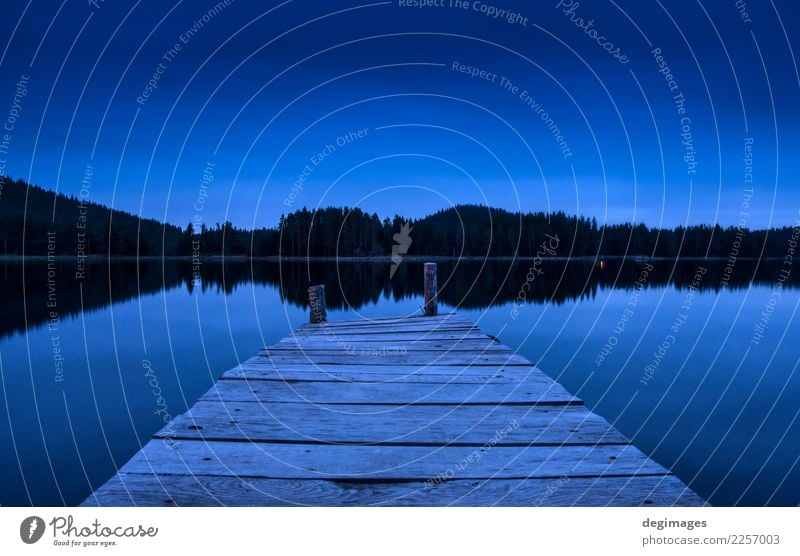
{"points": [[371, 259]]}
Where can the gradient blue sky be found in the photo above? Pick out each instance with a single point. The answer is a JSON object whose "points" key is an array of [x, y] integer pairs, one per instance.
{"points": [[262, 87]]}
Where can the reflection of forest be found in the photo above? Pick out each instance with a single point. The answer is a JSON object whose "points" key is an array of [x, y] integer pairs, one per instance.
{"points": [[465, 283]]}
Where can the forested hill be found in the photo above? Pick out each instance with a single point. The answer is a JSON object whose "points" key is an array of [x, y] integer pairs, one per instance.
{"points": [[62, 225], [53, 222]]}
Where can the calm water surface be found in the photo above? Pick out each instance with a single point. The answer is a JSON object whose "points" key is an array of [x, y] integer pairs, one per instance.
{"points": [[701, 375]]}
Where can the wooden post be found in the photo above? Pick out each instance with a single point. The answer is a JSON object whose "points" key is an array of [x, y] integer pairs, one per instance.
{"points": [[316, 299], [430, 290]]}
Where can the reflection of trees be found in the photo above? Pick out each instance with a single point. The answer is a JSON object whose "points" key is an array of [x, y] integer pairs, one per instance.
{"points": [[464, 283], [103, 283]]}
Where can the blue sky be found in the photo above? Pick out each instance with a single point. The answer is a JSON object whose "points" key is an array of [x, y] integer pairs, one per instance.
{"points": [[268, 99]]}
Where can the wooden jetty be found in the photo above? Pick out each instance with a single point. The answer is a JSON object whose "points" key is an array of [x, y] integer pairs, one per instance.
{"points": [[416, 411]]}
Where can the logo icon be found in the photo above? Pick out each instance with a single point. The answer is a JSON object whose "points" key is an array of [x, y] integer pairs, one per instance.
{"points": [[402, 243], [31, 529]]}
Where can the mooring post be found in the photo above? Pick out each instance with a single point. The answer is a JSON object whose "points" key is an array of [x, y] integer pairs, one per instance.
{"points": [[316, 300], [430, 290]]}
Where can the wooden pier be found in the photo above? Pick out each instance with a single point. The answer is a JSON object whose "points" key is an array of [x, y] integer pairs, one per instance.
{"points": [[423, 410]]}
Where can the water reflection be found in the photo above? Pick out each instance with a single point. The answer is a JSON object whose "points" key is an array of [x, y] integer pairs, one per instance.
{"points": [[468, 284], [719, 410]]}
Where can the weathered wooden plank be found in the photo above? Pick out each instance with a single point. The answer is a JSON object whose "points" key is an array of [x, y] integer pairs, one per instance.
{"points": [[388, 373], [428, 321], [260, 367], [388, 352], [295, 461], [128, 489], [413, 321], [388, 393], [426, 352], [399, 336], [388, 339], [394, 334], [415, 358], [419, 425], [350, 345], [420, 328], [397, 332], [309, 373]]}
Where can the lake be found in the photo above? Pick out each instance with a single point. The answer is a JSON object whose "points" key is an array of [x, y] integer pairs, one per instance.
{"points": [[695, 362]]}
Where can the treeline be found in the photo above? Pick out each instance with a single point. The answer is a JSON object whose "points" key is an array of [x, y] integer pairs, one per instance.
{"points": [[36, 221]]}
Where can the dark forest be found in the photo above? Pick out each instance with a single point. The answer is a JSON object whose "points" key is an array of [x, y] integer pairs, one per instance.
{"points": [[36, 221]]}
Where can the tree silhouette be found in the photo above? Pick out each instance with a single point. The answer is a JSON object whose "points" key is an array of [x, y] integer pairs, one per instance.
{"points": [[28, 213]]}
